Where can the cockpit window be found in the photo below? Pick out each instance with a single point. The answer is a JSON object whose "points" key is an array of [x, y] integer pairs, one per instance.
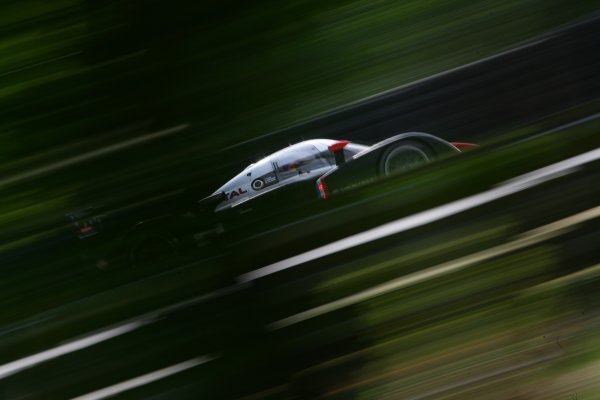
{"points": [[297, 160]]}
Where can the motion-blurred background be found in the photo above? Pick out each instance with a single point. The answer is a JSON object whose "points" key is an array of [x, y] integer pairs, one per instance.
{"points": [[115, 102]]}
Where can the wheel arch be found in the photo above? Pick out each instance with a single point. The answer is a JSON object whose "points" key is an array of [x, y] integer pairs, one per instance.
{"points": [[435, 147], [438, 145]]}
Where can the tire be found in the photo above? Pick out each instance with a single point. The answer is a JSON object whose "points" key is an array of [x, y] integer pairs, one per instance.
{"points": [[404, 156], [153, 251]]}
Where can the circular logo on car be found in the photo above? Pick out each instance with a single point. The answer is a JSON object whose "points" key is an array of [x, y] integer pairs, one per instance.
{"points": [[258, 184]]}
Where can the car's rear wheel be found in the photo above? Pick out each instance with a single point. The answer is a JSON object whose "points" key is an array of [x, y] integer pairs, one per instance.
{"points": [[153, 252], [404, 156]]}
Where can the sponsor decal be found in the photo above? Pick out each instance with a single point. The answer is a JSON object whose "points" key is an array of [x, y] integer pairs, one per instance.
{"points": [[264, 181], [258, 184], [234, 193]]}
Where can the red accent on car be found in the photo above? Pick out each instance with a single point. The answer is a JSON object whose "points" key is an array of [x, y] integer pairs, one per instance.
{"points": [[322, 188], [463, 146], [339, 145]]}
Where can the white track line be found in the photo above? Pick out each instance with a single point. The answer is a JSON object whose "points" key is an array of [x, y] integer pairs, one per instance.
{"points": [[27, 362], [504, 189], [558, 128], [570, 124], [144, 379], [130, 325], [529, 238], [89, 155]]}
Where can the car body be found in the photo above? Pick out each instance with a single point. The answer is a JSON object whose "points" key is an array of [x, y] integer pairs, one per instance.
{"points": [[340, 163]]}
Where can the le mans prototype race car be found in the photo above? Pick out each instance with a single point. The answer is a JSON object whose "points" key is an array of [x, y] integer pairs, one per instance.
{"points": [[335, 166], [312, 169]]}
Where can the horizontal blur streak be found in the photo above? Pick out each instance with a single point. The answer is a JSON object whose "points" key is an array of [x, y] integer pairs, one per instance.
{"points": [[524, 240], [144, 379], [94, 338], [90, 155], [75, 345]]}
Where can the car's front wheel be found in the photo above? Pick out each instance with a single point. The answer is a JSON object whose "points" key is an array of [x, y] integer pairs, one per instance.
{"points": [[404, 156]]}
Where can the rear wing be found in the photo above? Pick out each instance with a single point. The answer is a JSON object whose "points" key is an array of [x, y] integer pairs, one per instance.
{"points": [[86, 222]]}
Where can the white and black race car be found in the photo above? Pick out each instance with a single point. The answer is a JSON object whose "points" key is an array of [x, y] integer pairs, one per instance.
{"points": [[333, 165]]}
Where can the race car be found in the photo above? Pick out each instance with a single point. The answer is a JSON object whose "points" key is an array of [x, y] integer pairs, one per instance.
{"points": [[334, 166], [265, 195]]}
